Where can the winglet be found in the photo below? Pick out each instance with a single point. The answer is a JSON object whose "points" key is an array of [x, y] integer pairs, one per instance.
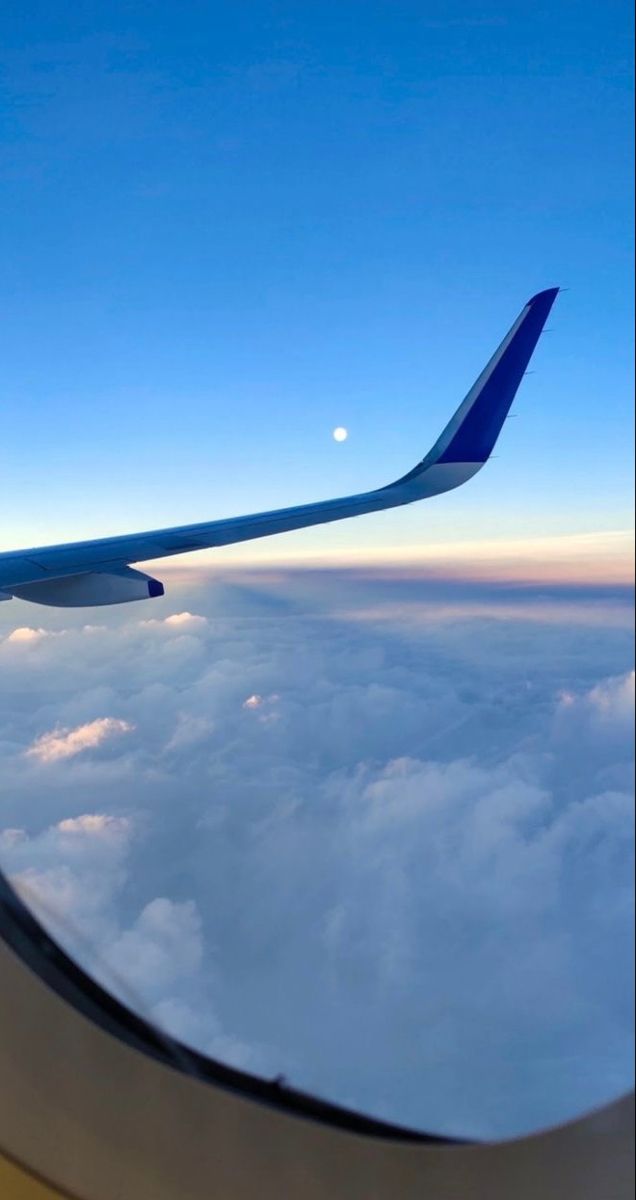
{"points": [[472, 432]]}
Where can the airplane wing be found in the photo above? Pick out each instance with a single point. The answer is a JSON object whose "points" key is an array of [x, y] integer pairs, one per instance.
{"points": [[99, 571]]}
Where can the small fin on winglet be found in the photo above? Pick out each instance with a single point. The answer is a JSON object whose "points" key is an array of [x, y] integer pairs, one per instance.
{"points": [[472, 432]]}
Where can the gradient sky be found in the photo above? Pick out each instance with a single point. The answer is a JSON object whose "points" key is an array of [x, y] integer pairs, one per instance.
{"points": [[227, 228]]}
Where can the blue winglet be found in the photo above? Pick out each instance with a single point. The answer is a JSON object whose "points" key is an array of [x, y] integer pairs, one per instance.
{"points": [[471, 433], [490, 399]]}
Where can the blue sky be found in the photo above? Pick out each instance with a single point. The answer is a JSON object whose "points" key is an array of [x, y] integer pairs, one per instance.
{"points": [[227, 228]]}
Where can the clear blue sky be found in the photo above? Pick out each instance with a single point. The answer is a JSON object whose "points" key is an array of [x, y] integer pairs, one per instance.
{"points": [[228, 227]]}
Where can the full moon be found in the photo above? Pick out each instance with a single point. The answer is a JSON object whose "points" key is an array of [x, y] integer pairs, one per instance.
{"points": [[340, 434]]}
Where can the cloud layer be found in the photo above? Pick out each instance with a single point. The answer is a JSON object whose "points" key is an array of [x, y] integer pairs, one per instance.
{"points": [[358, 829]]}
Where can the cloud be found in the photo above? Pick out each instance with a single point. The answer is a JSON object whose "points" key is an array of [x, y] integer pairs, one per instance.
{"points": [[66, 743], [70, 871], [164, 944], [11, 837], [265, 706], [186, 620], [24, 633], [94, 825], [189, 730], [389, 858], [612, 702], [72, 875]]}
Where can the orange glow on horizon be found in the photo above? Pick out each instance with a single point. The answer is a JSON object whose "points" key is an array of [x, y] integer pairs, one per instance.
{"points": [[590, 558]]}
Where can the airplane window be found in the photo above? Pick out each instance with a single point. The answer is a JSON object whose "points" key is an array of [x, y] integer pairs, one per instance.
{"points": [[316, 670], [366, 831]]}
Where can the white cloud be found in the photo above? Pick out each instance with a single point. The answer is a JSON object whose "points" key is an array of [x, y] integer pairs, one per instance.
{"points": [[265, 705], [614, 699], [94, 825], [164, 944], [185, 618], [72, 874], [388, 858], [25, 633], [182, 620], [66, 743], [610, 702], [71, 871]]}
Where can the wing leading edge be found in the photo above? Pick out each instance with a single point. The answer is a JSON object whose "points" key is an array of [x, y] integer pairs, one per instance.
{"points": [[99, 572]]}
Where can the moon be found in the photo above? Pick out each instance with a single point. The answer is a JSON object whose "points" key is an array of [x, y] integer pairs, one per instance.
{"points": [[340, 434]]}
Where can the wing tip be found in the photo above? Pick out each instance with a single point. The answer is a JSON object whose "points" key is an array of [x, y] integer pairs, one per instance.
{"points": [[472, 432], [547, 296]]}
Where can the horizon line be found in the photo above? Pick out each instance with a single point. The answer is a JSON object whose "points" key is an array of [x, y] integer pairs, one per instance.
{"points": [[598, 558]]}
